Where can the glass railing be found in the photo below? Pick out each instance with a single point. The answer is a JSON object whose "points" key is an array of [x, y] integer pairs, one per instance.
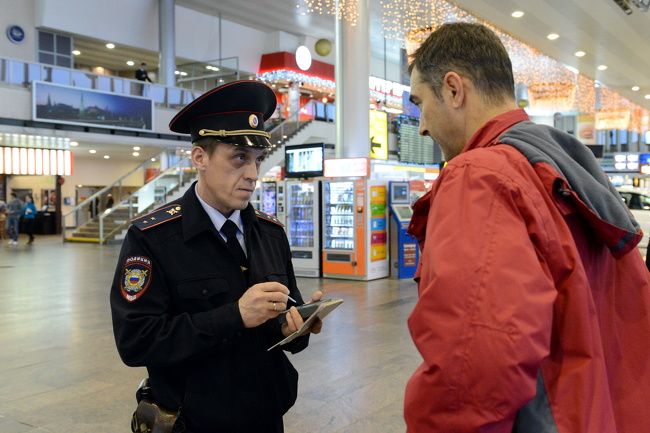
{"points": [[22, 73], [163, 188], [82, 220], [203, 76], [283, 131]]}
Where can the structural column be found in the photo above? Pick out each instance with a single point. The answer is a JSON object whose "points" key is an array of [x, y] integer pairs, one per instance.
{"points": [[352, 94], [166, 43]]}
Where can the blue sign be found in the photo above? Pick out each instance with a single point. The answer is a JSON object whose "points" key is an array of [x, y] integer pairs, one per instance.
{"points": [[644, 158], [377, 224], [15, 34]]}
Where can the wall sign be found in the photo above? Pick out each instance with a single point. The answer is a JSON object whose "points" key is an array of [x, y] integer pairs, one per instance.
{"points": [[85, 107], [15, 34]]}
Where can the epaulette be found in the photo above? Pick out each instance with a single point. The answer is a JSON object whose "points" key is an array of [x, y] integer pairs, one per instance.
{"points": [[269, 218], [163, 214]]}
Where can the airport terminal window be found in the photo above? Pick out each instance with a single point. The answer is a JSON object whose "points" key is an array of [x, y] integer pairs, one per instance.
{"points": [[54, 49]]}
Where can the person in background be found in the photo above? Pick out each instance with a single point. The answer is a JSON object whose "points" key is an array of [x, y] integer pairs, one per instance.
{"points": [[141, 73], [15, 210], [93, 207], [3, 220], [109, 201], [202, 282], [29, 216], [534, 304]]}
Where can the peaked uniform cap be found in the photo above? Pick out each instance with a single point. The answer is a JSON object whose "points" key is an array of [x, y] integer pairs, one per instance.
{"points": [[233, 113]]}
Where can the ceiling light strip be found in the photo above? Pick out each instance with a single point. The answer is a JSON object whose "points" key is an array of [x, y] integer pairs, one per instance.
{"points": [[30, 162]]}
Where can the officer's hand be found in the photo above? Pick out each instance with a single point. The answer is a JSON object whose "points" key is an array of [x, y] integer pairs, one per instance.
{"points": [[262, 302], [318, 324], [294, 320]]}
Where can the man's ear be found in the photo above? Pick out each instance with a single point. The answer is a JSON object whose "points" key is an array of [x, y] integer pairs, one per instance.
{"points": [[455, 87], [199, 158]]}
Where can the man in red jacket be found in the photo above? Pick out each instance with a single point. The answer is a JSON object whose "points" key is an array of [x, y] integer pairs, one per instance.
{"points": [[534, 302]]}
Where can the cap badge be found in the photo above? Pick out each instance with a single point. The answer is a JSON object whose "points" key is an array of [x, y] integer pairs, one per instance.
{"points": [[253, 121]]}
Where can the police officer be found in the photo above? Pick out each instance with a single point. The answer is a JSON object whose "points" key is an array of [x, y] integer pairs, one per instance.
{"points": [[201, 281]]}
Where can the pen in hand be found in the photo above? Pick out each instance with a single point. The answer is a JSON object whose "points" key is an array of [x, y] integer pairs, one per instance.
{"points": [[290, 299]]}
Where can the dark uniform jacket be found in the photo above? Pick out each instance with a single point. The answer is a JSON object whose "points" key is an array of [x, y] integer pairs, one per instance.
{"points": [[174, 305]]}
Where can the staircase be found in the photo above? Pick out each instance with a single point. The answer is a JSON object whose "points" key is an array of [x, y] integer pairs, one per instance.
{"points": [[116, 217], [112, 223]]}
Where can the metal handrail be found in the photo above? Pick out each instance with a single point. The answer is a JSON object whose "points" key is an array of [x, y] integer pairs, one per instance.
{"points": [[129, 201], [281, 132], [95, 198], [191, 74], [105, 189]]}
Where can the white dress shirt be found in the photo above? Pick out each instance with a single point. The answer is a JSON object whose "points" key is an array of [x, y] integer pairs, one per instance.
{"points": [[218, 219]]}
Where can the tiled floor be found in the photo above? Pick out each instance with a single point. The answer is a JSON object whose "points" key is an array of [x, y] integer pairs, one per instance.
{"points": [[60, 372]]}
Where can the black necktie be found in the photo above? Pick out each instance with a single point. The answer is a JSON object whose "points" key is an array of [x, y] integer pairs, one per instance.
{"points": [[230, 230]]}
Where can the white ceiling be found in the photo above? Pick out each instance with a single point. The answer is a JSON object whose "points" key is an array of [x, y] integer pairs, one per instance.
{"points": [[598, 27]]}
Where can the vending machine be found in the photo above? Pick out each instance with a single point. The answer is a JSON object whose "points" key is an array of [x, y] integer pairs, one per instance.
{"points": [[272, 199], [355, 229], [255, 199], [269, 198], [404, 250], [303, 226]]}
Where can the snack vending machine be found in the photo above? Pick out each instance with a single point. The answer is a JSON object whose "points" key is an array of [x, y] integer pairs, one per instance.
{"points": [[303, 226], [355, 237]]}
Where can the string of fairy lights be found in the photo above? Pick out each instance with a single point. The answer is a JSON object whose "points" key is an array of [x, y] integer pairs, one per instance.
{"points": [[347, 9], [551, 85]]}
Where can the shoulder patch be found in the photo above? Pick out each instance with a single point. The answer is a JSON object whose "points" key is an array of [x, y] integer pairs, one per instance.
{"points": [[166, 213], [267, 217], [136, 277]]}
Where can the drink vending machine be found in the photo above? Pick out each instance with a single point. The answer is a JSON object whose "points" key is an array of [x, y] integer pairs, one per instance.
{"points": [[303, 226], [355, 229], [272, 199], [404, 249]]}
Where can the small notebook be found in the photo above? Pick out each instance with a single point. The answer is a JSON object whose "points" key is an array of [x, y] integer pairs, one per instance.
{"points": [[324, 308]]}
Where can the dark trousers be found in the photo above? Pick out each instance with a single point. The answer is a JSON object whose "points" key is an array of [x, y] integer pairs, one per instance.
{"points": [[29, 228]]}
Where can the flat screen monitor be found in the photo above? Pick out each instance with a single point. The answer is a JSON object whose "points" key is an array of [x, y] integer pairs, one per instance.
{"points": [[399, 192], [404, 212], [304, 160]]}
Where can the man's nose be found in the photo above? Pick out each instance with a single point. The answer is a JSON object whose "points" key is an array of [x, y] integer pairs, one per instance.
{"points": [[252, 171], [422, 129]]}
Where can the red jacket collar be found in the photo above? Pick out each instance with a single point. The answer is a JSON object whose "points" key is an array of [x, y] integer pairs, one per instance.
{"points": [[486, 135], [490, 132]]}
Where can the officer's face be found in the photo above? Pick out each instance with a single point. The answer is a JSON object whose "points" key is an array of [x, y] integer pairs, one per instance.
{"points": [[227, 177]]}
